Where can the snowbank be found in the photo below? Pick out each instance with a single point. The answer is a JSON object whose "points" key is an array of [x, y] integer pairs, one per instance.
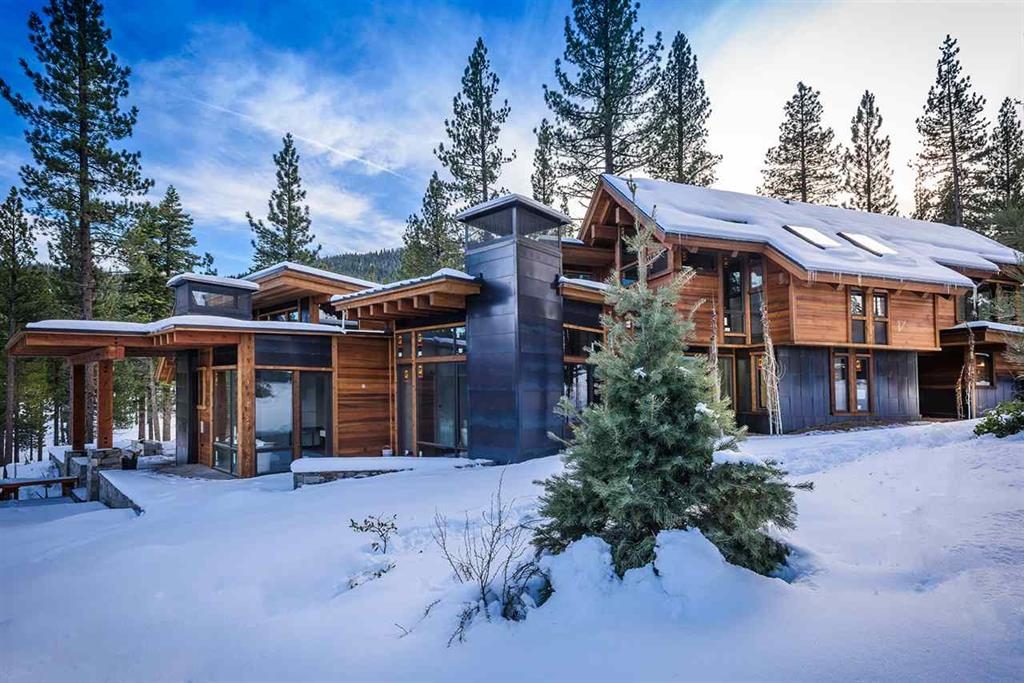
{"points": [[909, 567]]}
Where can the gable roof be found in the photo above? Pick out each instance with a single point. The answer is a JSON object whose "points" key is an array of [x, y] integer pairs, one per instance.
{"points": [[924, 251]]}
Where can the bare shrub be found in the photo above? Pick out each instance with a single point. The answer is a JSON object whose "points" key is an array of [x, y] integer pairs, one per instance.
{"points": [[494, 555], [382, 527]]}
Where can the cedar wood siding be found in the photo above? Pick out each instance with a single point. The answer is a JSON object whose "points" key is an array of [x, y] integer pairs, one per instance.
{"points": [[363, 369]]}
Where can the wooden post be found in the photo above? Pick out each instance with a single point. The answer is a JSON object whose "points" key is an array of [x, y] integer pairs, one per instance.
{"points": [[105, 405], [247, 406], [77, 407]]}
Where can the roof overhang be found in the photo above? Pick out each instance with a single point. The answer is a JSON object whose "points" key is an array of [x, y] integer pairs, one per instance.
{"points": [[288, 282], [161, 338], [440, 293], [582, 290], [983, 332]]}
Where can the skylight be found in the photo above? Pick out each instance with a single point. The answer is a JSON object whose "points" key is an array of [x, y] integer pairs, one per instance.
{"points": [[814, 236], [869, 243]]}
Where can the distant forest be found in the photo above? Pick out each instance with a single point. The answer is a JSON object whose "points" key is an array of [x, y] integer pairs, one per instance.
{"points": [[378, 266]]}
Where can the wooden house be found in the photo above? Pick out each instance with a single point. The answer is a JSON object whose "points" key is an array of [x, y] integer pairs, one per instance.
{"points": [[872, 318]]}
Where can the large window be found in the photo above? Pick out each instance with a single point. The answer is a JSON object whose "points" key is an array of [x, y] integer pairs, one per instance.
{"points": [[274, 420], [442, 412], [984, 372], [214, 299], [734, 319], [755, 266], [577, 342], [225, 421], [851, 382], [432, 391]]}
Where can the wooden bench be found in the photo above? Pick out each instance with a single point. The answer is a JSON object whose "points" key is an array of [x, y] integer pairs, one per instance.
{"points": [[9, 487]]}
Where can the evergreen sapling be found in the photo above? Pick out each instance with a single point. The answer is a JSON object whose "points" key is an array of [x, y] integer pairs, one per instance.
{"points": [[641, 460]]}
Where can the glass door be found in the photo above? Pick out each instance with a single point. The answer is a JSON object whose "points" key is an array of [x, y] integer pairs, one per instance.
{"points": [[274, 421], [225, 421], [314, 413]]}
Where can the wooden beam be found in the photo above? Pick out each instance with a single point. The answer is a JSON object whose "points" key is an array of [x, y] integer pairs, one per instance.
{"points": [[246, 388], [105, 404], [77, 402], [96, 355]]}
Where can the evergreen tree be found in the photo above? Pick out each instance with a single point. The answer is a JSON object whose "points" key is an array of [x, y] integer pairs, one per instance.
{"points": [[159, 246], [677, 146], [953, 144], [1006, 157], [17, 284], [804, 166], [80, 186], [544, 179], [640, 461], [472, 155], [288, 236], [79, 182], [866, 161], [601, 106], [432, 237]]}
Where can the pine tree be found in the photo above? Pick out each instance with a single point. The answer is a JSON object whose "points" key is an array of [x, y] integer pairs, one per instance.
{"points": [[432, 238], [601, 106], [79, 180], [677, 145], [288, 236], [80, 186], [17, 283], [953, 144], [159, 246], [866, 161], [1006, 158], [804, 166], [544, 180], [641, 460], [472, 155]]}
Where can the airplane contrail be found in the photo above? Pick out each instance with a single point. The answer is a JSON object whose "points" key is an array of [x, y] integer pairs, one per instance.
{"points": [[318, 143]]}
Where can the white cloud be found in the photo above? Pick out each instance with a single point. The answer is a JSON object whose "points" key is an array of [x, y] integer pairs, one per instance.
{"points": [[752, 62]]}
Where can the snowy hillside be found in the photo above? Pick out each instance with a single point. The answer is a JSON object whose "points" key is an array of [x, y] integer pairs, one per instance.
{"points": [[910, 566]]}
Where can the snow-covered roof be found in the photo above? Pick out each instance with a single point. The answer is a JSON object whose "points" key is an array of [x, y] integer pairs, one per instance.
{"points": [[212, 280], [203, 321], [500, 202], [580, 282], [309, 270], [924, 251], [442, 274], [986, 324]]}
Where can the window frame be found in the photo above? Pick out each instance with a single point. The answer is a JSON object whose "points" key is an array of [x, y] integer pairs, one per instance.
{"points": [[868, 318], [852, 355], [990, 380]]}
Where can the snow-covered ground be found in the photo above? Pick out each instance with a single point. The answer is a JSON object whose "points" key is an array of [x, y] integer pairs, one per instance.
{"points": [[910, 566]]}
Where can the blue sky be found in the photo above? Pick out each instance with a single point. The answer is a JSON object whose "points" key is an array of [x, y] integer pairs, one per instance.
{"points": [[365, 88]]}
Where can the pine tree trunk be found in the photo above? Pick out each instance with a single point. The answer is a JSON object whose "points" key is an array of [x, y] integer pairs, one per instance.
{"points": [[154, 418], [10, 449], [958, 212], [84, 223], [166, 396], [142, 418]]}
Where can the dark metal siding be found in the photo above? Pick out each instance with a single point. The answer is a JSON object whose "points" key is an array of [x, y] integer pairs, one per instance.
{"points": [[805, 390], [514, 362]]}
